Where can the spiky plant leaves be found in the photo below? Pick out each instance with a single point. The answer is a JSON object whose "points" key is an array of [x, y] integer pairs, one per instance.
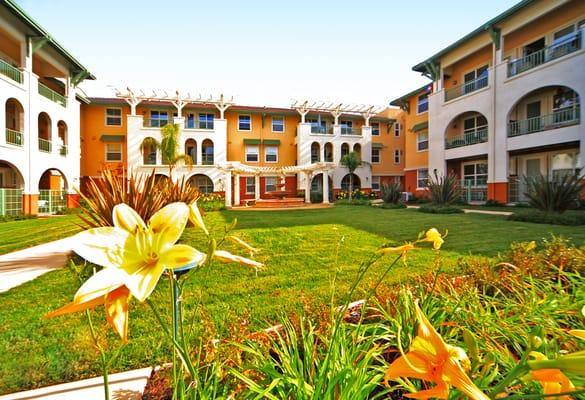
{"points": [[444, 190], [554, 195], [391, 193]]}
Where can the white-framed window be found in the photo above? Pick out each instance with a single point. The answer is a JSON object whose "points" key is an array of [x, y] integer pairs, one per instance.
{"points": [[397, 129], [376, 156], [564, 164], [422, 178], [375, 129], [250, 185], [422, 103], [271, 154], [206, 121], [397, 154], [270, 184], [113, 152], [113, 117], [422, 141], [252, 153], [277, 124], [244, 122], [375, 183], [475, 173], [158, 119]]}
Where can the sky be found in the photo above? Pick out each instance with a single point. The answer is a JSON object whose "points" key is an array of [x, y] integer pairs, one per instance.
{"points": [[260, 52]]}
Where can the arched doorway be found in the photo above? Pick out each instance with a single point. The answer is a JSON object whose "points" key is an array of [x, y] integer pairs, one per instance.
{"points": [[62, 132], [315, 152], [344, 149], [191, 150], [357, 148], [328, 152], [356, 183], [52, 192], [11, 189], [44, 133], [207, 152], [464, 130], [317, 189], [202, 182], [14, 122], [148, 147]]}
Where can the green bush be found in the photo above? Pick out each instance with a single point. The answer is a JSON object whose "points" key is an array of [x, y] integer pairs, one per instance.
{"points": [[538, 217], [444, 190], [435, 209], [391, 193], [392, 206], [494, 203], [558, 195], [353, 202], [18, 217]]}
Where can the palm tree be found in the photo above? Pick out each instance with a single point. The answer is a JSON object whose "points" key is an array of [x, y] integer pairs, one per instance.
{"points": [[169, 147], [352, 161]]}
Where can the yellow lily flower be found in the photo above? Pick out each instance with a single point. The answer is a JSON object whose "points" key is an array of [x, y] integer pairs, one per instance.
{"points": [[405, 248], [196, 218], [552, 380], [227, 257], [142, 251], [242, 243], [103, 288], [435, 238], [431, 359]]}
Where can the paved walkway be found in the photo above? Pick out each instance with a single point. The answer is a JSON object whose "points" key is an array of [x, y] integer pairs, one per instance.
{"points": [[25, 265], [476, 211]]}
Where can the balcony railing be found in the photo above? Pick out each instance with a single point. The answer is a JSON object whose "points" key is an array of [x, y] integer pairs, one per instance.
{"points": [[566, 46], [467, 87], [348, 130], [322, 129], [12, 72], [14, 137], [469, 137], [63, 150], [52, 95], [558, 119], [154, 123], [10, 201], [45, 145], [198, 124], [207, 159]]}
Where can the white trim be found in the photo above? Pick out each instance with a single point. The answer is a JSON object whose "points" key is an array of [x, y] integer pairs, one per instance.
{"points": [[106, 116], [418, 179], [379, 128], [283, 123], [106, 152], [266, 154], [417, 141], [245, 115], [417, 103], [399, 153], [266, 183], [250, 147], [398, 125], [246, 184], [379, 156]]}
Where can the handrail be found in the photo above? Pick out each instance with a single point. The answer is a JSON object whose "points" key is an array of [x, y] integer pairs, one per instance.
{"points": [[469, 137], [154, 122], [348, 130], [63, 150], [467, 87], [14, 137], [558, 119], [52, 95], [10, 71], [193, 124], [45, 145]]}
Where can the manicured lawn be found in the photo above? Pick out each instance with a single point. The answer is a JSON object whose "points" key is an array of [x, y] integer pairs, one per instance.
{"points": [[310, 256]]}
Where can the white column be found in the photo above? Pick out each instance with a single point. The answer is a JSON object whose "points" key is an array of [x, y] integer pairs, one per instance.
{"points": [[257, 187], [228, 189], [283, 183], [307, 187], [325, 187], [237, 190]]}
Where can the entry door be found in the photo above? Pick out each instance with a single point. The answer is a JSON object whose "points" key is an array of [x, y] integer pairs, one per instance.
{"points": [[533, 117]]}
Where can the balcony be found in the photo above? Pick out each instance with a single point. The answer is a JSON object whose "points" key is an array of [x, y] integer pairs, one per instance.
{"points": [[570, 44], [45, 145], [14, 137], [192, 124], [154, 122], [467, 87], [558, 119], [469, 137], [11, 72], [320, 129], [52, 95], [63, 150], [348, 130], [207, 159]]}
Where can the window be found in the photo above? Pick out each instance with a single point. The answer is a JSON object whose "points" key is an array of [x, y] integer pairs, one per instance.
{"points": [[113, 117], [375, 129], [113, 151], [206, 121], [375, 183], [277, 124], [375, 156], [344, 149], [271, 153], [346, 127], [270, 184], [252, 154], [397, 156], [315, 152], [318, 125], [563, 164], [250, 185], [397, 129], [158, 119], [422, 105], [422, 177], [422, 141], [244, 123], [475, 174], [328, 150], [476, 79]]}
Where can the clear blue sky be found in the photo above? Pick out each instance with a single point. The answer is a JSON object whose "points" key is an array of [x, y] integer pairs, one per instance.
{"points": [[261, 52]]}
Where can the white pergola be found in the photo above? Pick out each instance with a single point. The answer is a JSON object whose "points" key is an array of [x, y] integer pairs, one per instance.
{"points": [[236, 169], [336, 109]]}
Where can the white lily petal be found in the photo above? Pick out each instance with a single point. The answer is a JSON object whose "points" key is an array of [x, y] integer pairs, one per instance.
{"points": [[181, 255], [168, 224], [196, 218], [127, 219], [142, 282], [102, 246], [100, 284]]}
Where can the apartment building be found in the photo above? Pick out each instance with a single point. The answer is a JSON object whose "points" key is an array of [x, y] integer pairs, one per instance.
{"points": [[39, 151], [506, 101]]}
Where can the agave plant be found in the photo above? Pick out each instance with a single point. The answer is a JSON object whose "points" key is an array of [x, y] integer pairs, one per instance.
{"points": [[391, 193], [554, 195], [444, 190], [179, 191]]}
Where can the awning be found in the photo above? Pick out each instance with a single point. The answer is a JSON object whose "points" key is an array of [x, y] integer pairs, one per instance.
{"points": [[273, 142], [377, 146], [112, 138], [420, 127], [252, 141]]}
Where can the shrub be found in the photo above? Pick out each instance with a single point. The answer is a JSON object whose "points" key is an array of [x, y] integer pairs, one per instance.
{"points": [[494, 203], [392, 206], [556, 195], [17, 217], [353, 202], [434, 209], [539, 217], [180, 191], [391, 192], [211, 202], [444, 190]]}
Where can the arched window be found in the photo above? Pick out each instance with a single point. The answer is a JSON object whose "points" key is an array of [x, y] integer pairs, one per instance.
{"points": [[149, 151], [207, 152], [357, 148], [44, 124], [191, 150], [344, 149], [202, 182], [62, 132], [315, 152], [328, 152], [356, 184], [14, 122]]}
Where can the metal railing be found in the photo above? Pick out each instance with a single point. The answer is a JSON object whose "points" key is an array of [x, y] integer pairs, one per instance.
{"points": [[198, 124], [470, 192], [154, 122], [52, 201], [45, 145], [558, 119], [12, 72], [207, 159], [469, 137], [516, 189], [556, 50], [348, 130], [63, 150], [322, 129], [14, 137], [467, 87], [10, 201], [52, 95]]}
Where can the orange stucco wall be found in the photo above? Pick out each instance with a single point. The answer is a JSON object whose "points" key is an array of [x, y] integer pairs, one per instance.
{"points": [[413, 159], [9, 47], [457, 71], [498, 192], [391, 143]]}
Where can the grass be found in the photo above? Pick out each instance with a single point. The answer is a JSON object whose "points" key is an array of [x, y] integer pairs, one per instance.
{"points": [[307, 253]]}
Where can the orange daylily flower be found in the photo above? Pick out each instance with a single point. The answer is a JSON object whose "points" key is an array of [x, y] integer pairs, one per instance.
{"points": [[431, 359], [552, 380]]}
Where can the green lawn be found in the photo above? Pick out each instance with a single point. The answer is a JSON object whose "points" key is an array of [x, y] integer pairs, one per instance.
{"points": [[309, 254]]}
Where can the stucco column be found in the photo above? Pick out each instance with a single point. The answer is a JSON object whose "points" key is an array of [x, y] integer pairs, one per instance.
{"points": [[256, 187], [325, 187], [307, 187], [237, 190], [228, 189]]}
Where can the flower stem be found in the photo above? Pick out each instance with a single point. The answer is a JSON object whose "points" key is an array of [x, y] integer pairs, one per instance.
{"points": [[103, 357]]}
